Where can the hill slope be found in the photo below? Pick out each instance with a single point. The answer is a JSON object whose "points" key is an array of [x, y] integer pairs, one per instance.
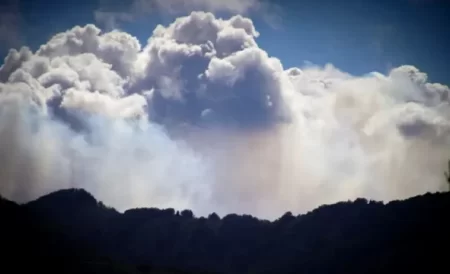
{"points": [[70, 232]]}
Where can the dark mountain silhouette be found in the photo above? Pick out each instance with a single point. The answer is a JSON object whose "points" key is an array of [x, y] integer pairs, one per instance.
{"points": [[69, 231]]}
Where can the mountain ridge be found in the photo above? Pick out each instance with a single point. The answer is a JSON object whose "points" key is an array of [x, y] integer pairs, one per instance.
{"points": [[344, 237], [84, 195]]}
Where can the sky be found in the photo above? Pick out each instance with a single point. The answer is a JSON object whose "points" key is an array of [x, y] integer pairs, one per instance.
{"points": [[248, 107], [357, 36]]}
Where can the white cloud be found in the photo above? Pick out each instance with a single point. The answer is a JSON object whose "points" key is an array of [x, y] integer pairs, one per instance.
{"points": [[128, 107], [184, 51], [13, 61], [118, 49], [274, 138]]}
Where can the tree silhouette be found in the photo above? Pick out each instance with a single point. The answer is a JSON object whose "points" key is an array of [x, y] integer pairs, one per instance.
{"points": [[447, 175], [70, 231]]}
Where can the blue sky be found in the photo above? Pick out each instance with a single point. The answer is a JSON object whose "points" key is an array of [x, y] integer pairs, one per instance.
{"points": [[356, 36]]}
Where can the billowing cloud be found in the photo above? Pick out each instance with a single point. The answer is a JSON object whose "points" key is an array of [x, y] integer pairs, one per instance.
{"points": [[202, 117], [117, 49], [212, 64]]}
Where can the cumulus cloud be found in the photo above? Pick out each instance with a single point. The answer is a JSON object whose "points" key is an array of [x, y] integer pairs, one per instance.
{"points": [[212, 64], [81, 75], [128, 107], [116, 49], [202, 117]]}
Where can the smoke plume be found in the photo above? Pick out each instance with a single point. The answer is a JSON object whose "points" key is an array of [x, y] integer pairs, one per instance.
{"points": [[201, 117]]}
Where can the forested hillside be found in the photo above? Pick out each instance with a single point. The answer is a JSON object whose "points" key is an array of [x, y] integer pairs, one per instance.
{"points": [[69, 231]]}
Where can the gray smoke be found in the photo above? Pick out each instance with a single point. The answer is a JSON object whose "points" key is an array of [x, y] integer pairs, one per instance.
{"points": [[201, 117], [111, 13], [10, 22]]}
